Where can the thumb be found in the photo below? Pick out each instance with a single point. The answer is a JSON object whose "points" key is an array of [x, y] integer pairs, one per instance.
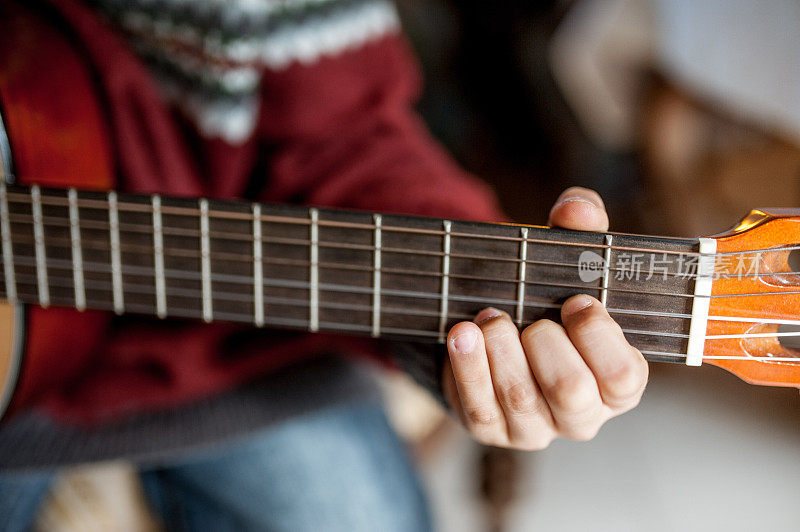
{"points": [[579, 208]]}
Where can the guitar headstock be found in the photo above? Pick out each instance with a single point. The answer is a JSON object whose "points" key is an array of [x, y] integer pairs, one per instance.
{"points": [[755, 299]]}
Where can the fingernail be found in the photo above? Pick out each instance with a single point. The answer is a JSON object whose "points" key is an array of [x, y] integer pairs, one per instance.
{"points": [[576, 304], [486, 315], [581, 199], [464, 342]]}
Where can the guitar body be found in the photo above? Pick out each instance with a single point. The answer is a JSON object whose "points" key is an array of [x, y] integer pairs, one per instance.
{"points": [[11, 350], [53, 133]]}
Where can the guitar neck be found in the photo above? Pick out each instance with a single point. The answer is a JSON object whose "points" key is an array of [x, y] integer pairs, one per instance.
{"points": [[330, 270]]}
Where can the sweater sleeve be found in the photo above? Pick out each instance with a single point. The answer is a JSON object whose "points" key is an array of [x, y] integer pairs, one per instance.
{"points": [[345, 134]]}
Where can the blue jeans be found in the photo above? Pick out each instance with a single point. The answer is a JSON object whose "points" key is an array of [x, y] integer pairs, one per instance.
{"points": [[339, 469]]}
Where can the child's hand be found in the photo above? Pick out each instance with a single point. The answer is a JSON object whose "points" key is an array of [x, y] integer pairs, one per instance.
{"points": [[523, 391]]}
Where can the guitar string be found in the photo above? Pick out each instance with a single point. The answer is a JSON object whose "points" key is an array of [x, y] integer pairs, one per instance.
{"points": [[277, 240], [192, 253], [146, 229], [21, 198], [488, 301], [192, 212], [101, 268], [63, 281], [301, 324]]}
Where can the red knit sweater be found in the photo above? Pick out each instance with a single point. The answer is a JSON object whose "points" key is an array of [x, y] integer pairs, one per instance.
{"points": [[339, 131]]}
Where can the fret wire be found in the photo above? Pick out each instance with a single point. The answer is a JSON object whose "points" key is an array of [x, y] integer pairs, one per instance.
{"points": [[376, 278], [313, 293], [116, 254], [205, 262], [38, 238], [77, 253], [300, 242], [606, 270], [158, 258], [258, 269], [8, 253], [447, 224], [523, 255]]}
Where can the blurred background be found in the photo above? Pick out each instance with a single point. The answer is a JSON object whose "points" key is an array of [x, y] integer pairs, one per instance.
{"points": [[684, 115]]}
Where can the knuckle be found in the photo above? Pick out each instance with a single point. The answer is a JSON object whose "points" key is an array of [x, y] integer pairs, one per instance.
{"points": [[481, 416], [519, 397], [499, 327], [625, 383], [594, 325], [573, 394], [469, 378], [538, 328]]}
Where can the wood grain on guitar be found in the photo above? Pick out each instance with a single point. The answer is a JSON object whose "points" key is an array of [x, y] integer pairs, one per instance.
{"points": [[9, 358], [757, 285]]}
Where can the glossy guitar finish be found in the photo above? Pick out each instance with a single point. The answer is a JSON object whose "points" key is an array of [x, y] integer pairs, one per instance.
{"points": [[58, 136], [775, 297], [11, 350]]}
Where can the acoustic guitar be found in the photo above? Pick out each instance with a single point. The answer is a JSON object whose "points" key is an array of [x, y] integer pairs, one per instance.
{"points": [[74, 251]]}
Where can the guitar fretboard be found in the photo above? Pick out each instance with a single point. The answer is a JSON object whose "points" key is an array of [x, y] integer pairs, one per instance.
{"points": [[332, 270]]}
